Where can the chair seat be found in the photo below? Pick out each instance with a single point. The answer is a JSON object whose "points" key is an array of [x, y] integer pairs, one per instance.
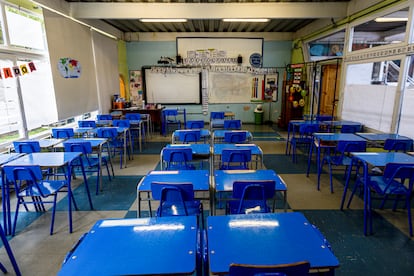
{"points": [[171, 208], [48, 188], [249, 207], [378, 184]]}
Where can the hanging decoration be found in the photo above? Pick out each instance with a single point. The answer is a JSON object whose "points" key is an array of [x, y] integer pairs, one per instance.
{"points": [[69, 68], [17, 71]]}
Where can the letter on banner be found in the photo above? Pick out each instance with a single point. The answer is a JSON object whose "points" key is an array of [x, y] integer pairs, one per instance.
{"points": [[23, 69], [32, 66], [7, 73], [16, 71]]}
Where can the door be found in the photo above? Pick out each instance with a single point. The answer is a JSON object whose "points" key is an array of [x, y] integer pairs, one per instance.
{"points": [[329, 89]]}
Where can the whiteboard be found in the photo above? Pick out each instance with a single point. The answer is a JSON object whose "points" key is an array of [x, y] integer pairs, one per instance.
{"points": [[172, 88]]}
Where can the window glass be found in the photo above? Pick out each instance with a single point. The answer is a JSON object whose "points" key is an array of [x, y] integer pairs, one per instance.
{"points": [[382, 30], [25, 29], [370, 93], [407, 112], [327, 47]]}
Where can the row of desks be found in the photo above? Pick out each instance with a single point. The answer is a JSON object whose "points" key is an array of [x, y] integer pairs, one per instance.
{"points": [[171, 245], [220, 182]]}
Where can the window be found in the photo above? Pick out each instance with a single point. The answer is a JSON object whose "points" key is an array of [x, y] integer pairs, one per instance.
{"points": [[327, 47]]}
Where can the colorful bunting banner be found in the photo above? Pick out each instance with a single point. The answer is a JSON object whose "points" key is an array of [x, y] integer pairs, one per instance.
{"points": [[17, 71]]}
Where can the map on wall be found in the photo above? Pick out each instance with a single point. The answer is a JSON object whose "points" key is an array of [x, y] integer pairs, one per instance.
{"points": [[69, 68]]}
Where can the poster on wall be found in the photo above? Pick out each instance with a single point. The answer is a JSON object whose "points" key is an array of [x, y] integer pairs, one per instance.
{"points": [[135, 87], [271, 87]]}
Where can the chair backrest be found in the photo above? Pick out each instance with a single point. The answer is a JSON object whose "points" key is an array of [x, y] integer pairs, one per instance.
{"points": [[104, 117], [403, 145], [87, 123], [216, 115], [26, 146], [106, 132], [24, 175], [82, 146], [322, 117], [236, 155], [187, 136], [400, 171], [307, 129], [351, 128], [199, 124], [291, 269], [133, 116], [345, 147], [186, 190], [254, 189], [232, 124], [121, 123], [63, 132], [235, 136], [170, 112], [177, 154]]}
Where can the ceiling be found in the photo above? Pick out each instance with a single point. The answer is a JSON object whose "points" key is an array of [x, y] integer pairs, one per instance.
{"points": [[206, 15]]}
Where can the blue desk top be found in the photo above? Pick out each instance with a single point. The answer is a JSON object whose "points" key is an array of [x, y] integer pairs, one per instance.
{"points": [[382, 136], [340, 123], [265, 239], [7, 157], [224, 178], [95, 142], [198, 149], [218, 148], [338, 137], [45, 159], [46, 143], [146, 246], [380, 159], [199, 178]]}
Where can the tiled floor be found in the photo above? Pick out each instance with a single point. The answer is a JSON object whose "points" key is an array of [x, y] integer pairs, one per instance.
{"points": [[39, 253]]}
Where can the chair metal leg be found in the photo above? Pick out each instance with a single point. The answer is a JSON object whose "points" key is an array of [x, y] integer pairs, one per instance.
{"points": [[9, 253]]}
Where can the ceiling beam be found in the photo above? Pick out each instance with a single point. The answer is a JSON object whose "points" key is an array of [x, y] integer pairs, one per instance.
{"points": [[271, 10]]}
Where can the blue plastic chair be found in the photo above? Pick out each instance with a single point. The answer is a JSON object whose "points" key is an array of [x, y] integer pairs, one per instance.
{"points": [[196, 124], [402, 145], [87, 123], [62, 133], [251, 196], [321, 117], [116, 143], [391, 184], [133, 116], [177, 158], [235, 136], [304, 139], [341, 156], [291, 269], [104, 117], [189, 136], [170, 119], [214, 115], [176, 199], [28, 183], [26, 146], [88, 162], [235, 159], [232, 124]]}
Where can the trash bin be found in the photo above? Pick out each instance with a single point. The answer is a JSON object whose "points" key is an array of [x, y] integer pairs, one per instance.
{"points": [[258, 115]]}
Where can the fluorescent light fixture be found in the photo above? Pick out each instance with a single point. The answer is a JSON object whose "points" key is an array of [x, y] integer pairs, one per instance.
{"points": [[163, 20], [246, 20], [391, 19]]}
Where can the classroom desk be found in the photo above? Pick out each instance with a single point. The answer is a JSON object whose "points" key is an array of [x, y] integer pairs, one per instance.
{"points": [[293, 128], [257, 153], [199, 178], [53, 160], [146, 246], [4, 159], [218, 135], [376, 159], [336, 125], [266, 239], [205, 135], [378, 139], [154, 115], [97, 145], [327, 141], [223, 181], [45, 144]]}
